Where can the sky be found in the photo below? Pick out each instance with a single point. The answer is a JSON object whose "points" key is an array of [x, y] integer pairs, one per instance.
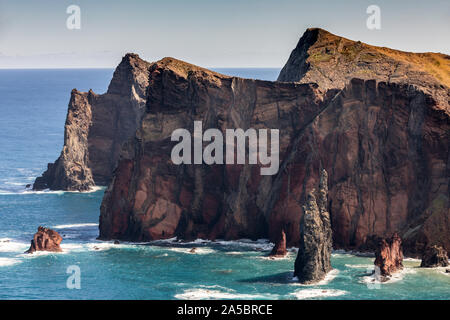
{"points": [[209, 33]]}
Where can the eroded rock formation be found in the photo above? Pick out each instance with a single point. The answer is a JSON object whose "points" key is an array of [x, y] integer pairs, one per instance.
{"points": [[389, 256], [434, 256], [45, 240], [151, 198], [376, 119], [96, 127], [385, 146], [387, 152], [279, 249], [314, 252]]}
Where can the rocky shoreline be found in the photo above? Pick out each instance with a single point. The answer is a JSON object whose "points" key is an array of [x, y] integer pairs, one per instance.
{"points": [[377, 120]]}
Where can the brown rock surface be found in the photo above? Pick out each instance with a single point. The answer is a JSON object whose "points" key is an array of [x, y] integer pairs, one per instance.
{"points": [[45, 240], [434, 256], [384, 145], [313, 260], [279, 249], [389, 256], [382, 135], [96, 127], [151, 198]]}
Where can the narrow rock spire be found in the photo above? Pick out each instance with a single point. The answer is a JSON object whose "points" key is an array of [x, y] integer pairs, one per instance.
{"points": [[313, 258]]}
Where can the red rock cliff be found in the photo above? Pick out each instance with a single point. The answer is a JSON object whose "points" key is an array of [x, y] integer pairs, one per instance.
{"points": [[384, 145], [96, 127]]}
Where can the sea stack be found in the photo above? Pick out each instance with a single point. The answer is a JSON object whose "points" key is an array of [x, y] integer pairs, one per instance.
{"points": [[95, 129], [434, 256], [45, 240], [389, 256], [314, 253], [279, 249]]}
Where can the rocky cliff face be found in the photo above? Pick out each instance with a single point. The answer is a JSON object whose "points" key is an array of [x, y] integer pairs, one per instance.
{"points": [[314, 252], [376, 119], [96, 127], [387, 146], [151, 198], [384, 145]]}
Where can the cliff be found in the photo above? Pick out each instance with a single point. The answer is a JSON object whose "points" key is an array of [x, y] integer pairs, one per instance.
{"points": [[96, 127], [332, 61], [376, 119], [384, 145], [151, 198]]}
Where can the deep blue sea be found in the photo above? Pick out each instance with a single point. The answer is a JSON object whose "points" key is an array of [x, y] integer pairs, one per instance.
{"points": [[33, 106]]}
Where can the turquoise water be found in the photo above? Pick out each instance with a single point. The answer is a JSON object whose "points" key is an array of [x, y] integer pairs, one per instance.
{"points": [[33, 106]]}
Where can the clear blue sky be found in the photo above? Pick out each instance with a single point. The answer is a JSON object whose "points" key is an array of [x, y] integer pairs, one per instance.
{"points": [[210, 33]]}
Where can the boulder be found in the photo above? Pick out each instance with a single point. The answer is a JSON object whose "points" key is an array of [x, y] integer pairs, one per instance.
{"points": [[45, 240], [279, 249], [389, 256], [434, 256]]}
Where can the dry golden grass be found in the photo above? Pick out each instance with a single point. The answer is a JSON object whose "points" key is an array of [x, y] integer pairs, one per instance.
{"points": [[435, 64]]}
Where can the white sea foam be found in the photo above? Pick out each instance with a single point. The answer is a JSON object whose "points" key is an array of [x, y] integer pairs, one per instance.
{"points": [[261, 244], [6, 262], [48, 191], [27, 192], [412, 259], [40, 254], [101, 246], [234, 252], [69, 247], [328, 278], [286, 257], [10, 245], [198, 250], [395, 277], [359, 266], [211, 293], [317, 293], [76, 225]]}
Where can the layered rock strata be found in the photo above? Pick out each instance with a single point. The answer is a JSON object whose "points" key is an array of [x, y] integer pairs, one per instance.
{"points": [[385, 146], [376, 119]]}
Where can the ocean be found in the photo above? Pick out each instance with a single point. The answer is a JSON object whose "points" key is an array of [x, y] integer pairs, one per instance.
{"points": [[33, 106]]}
